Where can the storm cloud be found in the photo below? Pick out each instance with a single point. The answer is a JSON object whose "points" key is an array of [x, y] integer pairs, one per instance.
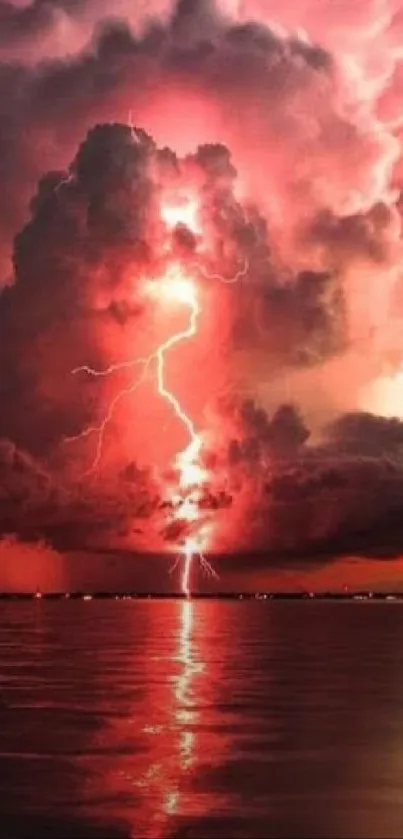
{"points": [[288, 136]]}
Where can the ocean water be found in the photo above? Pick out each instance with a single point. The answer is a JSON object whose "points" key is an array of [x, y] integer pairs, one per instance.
{"points": [[201, 719]]}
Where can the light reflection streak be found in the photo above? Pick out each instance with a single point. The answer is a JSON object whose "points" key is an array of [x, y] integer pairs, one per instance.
{"points": [[167, 778], [161, 731], [185, 713]]}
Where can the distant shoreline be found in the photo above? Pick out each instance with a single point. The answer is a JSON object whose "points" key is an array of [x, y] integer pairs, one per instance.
{"points": [[261, 596]]}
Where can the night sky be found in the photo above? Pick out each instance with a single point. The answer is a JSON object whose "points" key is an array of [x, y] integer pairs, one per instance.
{"points": [[241, 162]]}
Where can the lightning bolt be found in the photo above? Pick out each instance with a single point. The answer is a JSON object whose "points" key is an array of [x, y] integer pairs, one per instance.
{"points": [[226, 280], [100, 429], [188, 556], [191, 474]]}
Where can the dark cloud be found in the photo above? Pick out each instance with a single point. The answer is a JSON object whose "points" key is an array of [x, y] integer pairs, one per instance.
{"points": [[240, 68], [303, 320], [367, 435], [346, 493], [257, 436], [309, 502], [21, 23], [35, 505], [87, 227], [335, 504], [28, 497], [346, 240], [71, 263], [93, 233]]}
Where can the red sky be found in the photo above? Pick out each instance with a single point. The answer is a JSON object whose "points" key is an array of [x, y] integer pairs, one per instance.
{"points": [[281, 123]]}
